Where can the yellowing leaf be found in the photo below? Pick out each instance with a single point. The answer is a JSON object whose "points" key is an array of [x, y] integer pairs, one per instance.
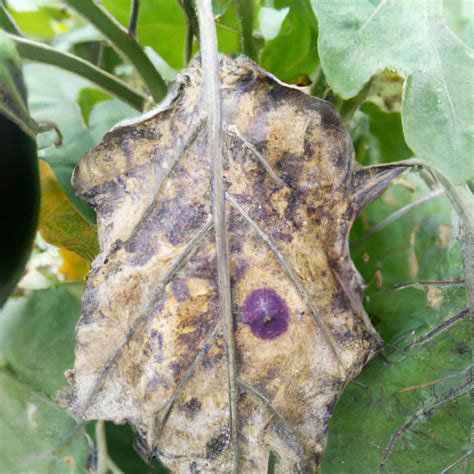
{"points": [[60, 224], [74, 267]]}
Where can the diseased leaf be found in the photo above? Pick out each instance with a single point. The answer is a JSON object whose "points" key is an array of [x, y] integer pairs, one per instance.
{"points": [[360, 38], [36, 336], [150, 348]]}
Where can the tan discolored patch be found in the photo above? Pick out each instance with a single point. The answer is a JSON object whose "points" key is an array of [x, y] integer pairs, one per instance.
{"points": [[445, 233], [434, 296], [150, 348]]}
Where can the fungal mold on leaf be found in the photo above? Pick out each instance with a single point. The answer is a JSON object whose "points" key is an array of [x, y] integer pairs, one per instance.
{"points": [[266, 314], [151, 337]]}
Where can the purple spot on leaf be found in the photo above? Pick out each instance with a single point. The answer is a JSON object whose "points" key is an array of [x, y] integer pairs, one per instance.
{"points": [[266, 313]]}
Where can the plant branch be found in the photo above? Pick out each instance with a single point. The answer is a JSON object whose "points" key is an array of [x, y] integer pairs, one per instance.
{"points": [[349, 107], [133, 18], [192, 27], [40, 52], [8, 23], [245, 14], [123, 42], [104, 462], [400, 213], [212, 107]]}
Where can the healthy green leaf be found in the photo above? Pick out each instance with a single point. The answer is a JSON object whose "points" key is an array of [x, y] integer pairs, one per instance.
{"points": [[87, 99], [378, 136], [36, 346], [360, 38], [413, 401], [459, 15], [161, 25], [420, 245], [52, 96], [294, 51], [36, 20]]}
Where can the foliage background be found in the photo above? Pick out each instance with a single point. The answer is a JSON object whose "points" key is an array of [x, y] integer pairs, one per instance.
{"points": [[401, 76]]}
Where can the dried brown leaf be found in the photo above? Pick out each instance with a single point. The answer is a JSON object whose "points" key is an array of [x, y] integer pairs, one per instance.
{"points": [[150, 347]]}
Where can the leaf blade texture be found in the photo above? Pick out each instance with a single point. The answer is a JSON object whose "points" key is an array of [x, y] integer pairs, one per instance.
{"points": [[360, 39]]}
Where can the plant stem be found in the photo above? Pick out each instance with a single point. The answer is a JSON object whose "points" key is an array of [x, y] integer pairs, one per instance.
{"points": [[245, 14], [192, 27], [133, 18], [212, 106], [40, 52], [349, 107], [123, 42], [8, 23], [104, 463]]}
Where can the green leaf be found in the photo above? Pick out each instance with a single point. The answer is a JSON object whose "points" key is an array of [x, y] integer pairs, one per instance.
{"points": [[87, 99], [228, 29], [420, 245], [36, 23], [161, 25], [378, 136], [52, 97], [121, 440], [294, 51], [36, 347], [459, 15], [60, 223], [360, 38], [416, 392]]}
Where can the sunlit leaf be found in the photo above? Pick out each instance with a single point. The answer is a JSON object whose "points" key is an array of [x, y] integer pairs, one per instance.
{"points": [[60, 223], [161, 25], [74, 267], [360, 38]]}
